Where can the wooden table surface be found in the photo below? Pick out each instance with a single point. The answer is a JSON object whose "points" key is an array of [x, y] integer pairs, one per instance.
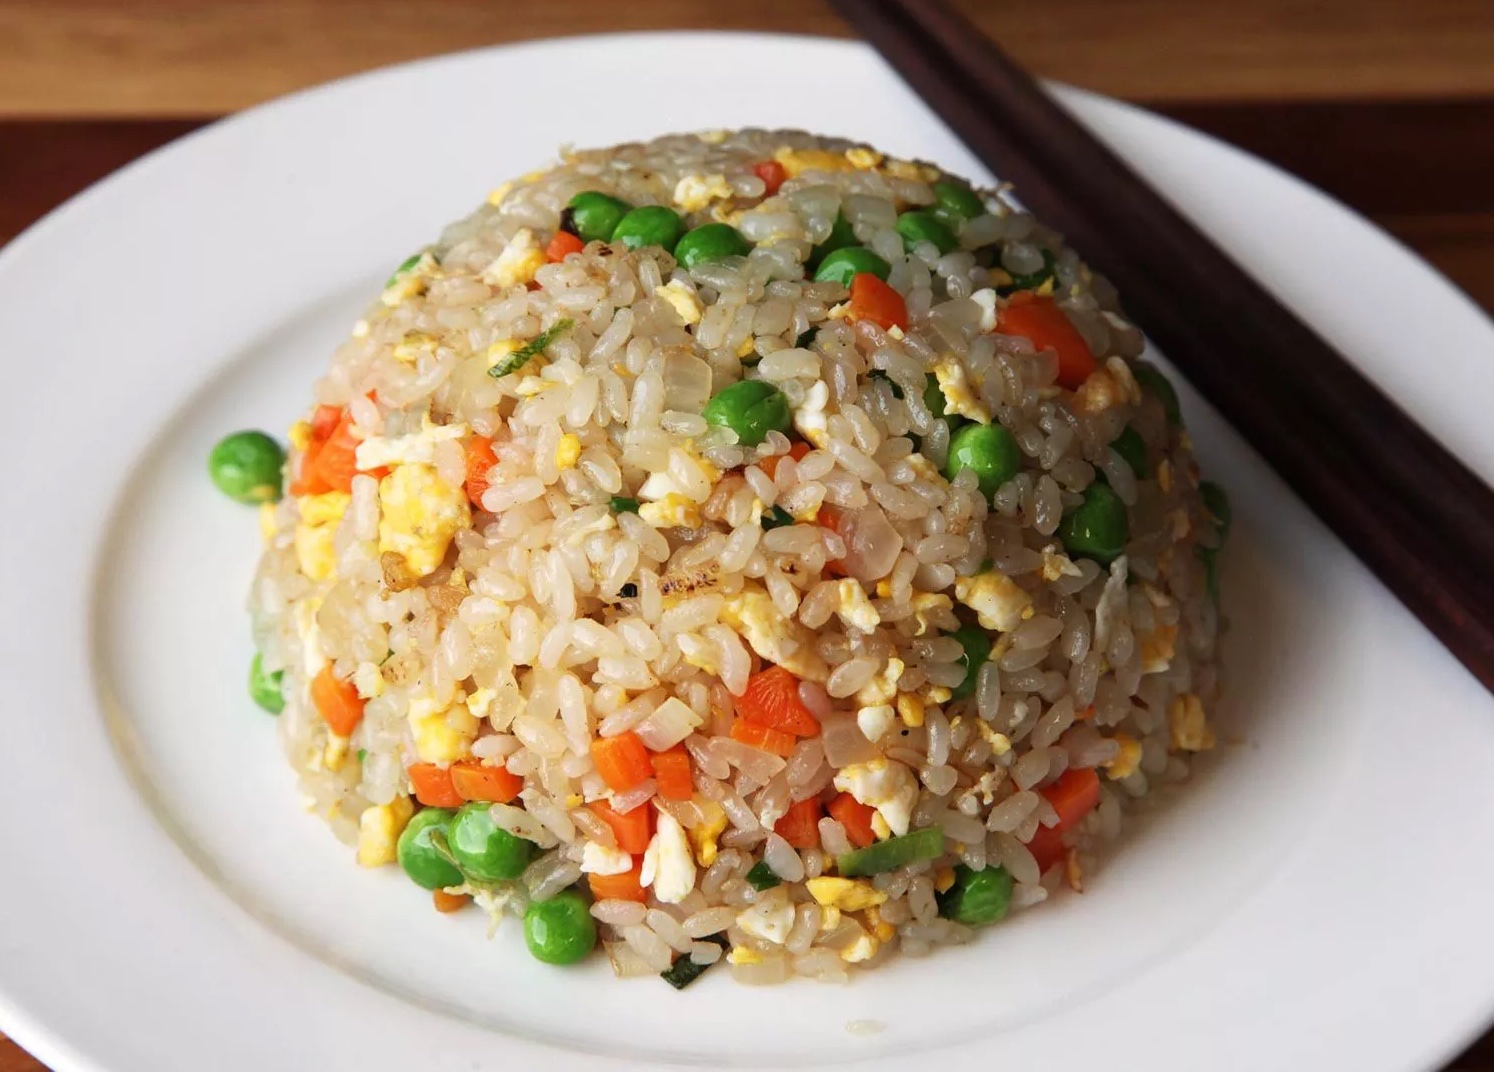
{"points": [[1386, 104]]}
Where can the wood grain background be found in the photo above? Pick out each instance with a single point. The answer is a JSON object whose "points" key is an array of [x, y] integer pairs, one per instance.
{"points": [[1386, 104]]}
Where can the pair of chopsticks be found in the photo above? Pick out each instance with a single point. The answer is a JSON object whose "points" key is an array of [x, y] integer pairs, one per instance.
{"points": [[1414, 514]]}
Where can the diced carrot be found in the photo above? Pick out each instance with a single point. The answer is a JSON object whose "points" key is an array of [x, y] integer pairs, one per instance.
{"points": [[480, 461], [336, 463], [672, 772], [1073, 796], [800, 824], [449, 902], [622, 761], [750, 733], [627, 886], [796, 452], [1039, 319], [831, 518], [771, 699], [632, 829], [772, 173], [562, 246], [874, 300], [1084, 714], [324, 422], [1047, 846], [337, 702], [474, 781], [433, 786], [856, 817]]}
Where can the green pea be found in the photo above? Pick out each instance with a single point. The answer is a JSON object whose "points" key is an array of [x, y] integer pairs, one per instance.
{"points": [[711, 242], [593, 216], [957, 200], [752, 409], [1216, 502], [841, 235], [988, 449], [264, 688], [623, 504], [560, 930], [977, 897], [1132, 449], [1030, 280], [483, 849], [977, 647], [922, 226], [1097, 528], [651, 225], [246, 466], [1153, 382], [843, 265], [425, 863]]}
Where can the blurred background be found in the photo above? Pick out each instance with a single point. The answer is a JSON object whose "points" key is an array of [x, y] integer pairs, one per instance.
{"points": [[1386, 104]]}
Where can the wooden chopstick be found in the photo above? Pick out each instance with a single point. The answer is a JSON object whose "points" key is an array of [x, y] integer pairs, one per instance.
{"points": [[1414, 514]]}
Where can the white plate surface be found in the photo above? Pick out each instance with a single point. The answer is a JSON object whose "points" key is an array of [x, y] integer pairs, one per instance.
{"points": [[1316, 898]]}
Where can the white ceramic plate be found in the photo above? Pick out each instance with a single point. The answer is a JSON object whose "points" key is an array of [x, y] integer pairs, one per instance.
{"points": [[1317, 899]]}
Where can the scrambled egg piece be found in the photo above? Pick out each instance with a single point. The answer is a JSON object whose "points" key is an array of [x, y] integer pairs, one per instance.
{"points": [[415, 343], [442, 734], [320, 515], [304, 616], [417, 448], [925, 469], [368, 680], [1189, 726], [409, 283], [300, 435], [889, 787], [1056, 564], [747, 346], [810, 418], [683, 299], [671, 511], [518, 262], [884, 931], [480, 701], [1099, 393], [568, 451], [882, 688], [927, 608], [499, 192], [667, 864], [875, 722], [1157, 649], [659, 486], [779, 640], [267, 521], [741, 954], [699, 653], [1126, 760], [703, 837], [770, 918], [998, 601], [862, 158], [379, 828], [944, 878], [335, 753], [907, 169], [1000, 743], [986, 299], [797, 161], [954, 385], [854, 609], [420, 515], [695, 192], [862, 948], [601, 860], [844, 894], [910, 710]]}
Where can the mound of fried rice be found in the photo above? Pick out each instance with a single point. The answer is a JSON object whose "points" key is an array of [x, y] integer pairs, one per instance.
{"points": [[507, 612]]}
